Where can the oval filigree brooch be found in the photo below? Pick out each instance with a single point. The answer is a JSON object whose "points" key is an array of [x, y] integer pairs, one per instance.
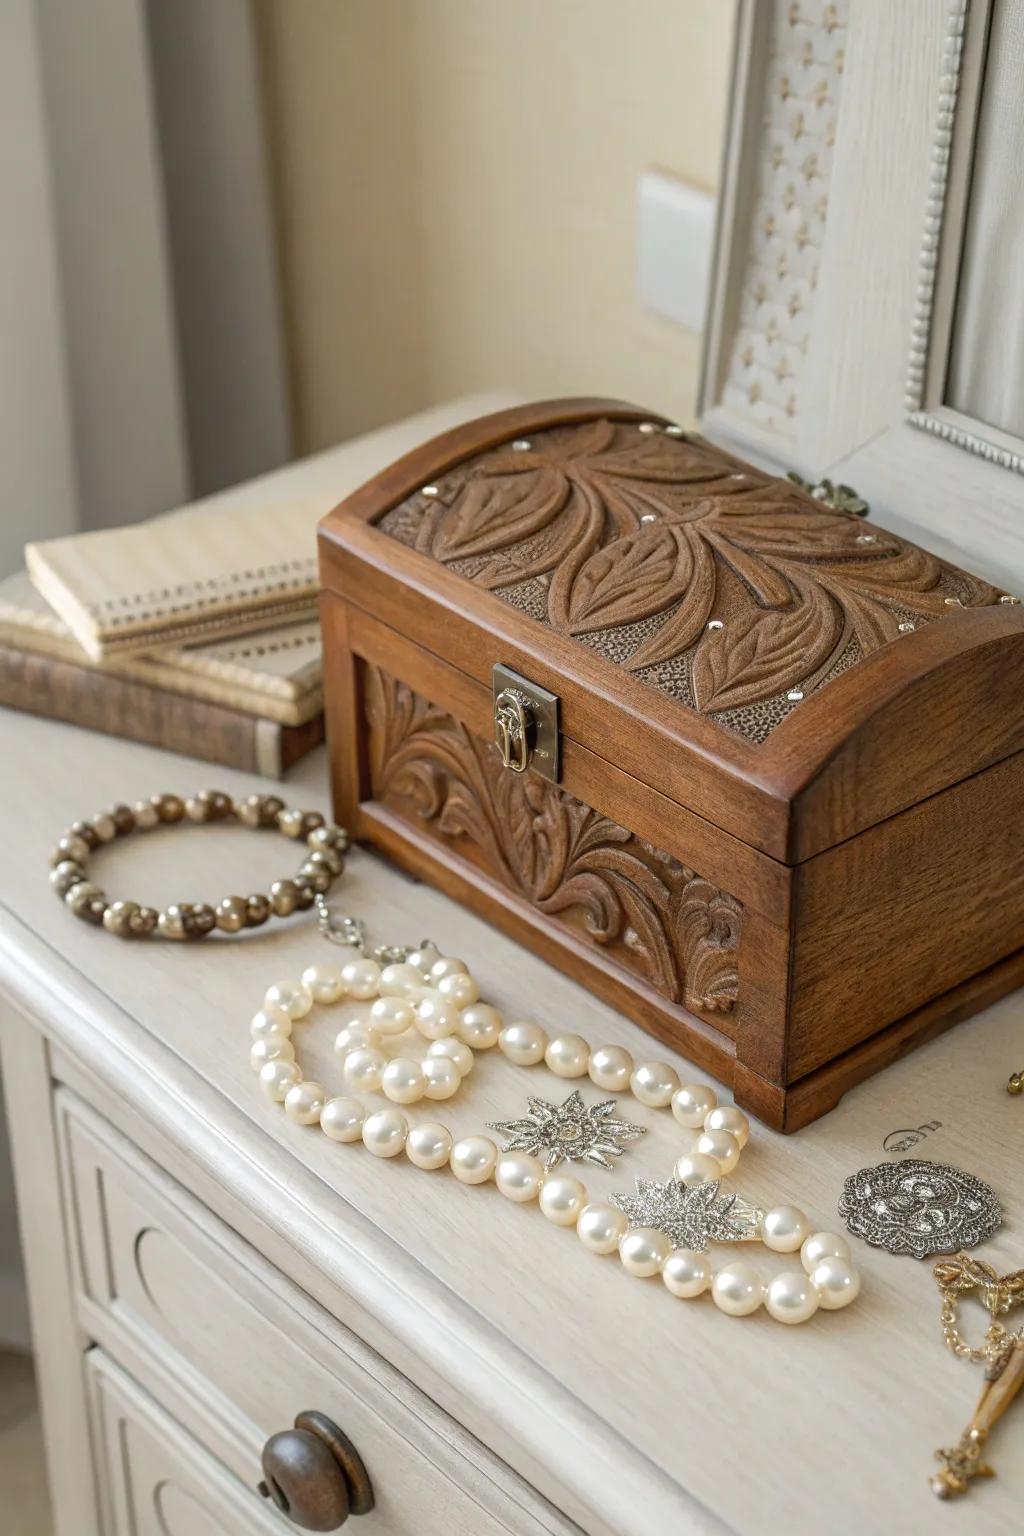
{"points": [[919, 1208]]}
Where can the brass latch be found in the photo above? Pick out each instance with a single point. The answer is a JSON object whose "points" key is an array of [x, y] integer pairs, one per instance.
{"points": [[525, 723]]}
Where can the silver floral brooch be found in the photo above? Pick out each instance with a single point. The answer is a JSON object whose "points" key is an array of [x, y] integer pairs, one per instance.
{"points": [[919, 1208], [691, 1216], [572, 1131]]}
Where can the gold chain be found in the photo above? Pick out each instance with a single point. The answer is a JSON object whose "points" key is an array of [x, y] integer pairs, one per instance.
{"points": [[998, 1294]]}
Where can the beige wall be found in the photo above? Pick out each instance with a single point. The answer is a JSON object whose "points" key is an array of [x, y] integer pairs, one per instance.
{"points": [[456, 184]]}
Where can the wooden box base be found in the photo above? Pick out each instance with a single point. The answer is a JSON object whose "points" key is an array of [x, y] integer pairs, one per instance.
{"points": [[749, 1001]]}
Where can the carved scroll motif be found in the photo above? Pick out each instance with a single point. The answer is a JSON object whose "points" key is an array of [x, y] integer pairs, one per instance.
{"points": [[659, 919], [732, 591]]}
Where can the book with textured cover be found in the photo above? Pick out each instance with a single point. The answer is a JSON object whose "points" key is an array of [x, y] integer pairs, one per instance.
{"points": [[276, 674], [85, 696]]}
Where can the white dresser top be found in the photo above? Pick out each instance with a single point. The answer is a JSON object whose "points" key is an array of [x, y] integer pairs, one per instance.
{"points": [[638, 1412]]}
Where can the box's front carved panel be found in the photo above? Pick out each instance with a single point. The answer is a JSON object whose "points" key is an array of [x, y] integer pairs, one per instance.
{"points": [[660, 920], [730, 590]]}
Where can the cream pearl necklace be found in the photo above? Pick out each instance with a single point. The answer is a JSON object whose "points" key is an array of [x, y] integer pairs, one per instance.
{"points": [[662, 1228]]}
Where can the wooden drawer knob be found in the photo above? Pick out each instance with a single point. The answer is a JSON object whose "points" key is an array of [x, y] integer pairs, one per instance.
{"points": [[315, 1475]]}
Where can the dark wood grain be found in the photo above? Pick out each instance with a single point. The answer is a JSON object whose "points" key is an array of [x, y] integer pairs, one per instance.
{"points": [[906, 910], [872, 839]]}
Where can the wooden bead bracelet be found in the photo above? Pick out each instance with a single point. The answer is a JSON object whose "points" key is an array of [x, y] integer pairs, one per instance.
{"points": [[185, 920]]}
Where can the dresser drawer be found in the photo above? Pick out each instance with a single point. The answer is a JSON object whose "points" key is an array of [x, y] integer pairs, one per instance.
{"points": [[233, 1350], [155, 1478]]}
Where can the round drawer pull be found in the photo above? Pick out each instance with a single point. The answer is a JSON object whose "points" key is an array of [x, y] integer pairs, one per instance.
{"points": [[315, 1475]]}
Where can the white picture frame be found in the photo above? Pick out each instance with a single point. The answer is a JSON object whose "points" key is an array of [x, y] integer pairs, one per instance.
{"points": [[842, 201]]}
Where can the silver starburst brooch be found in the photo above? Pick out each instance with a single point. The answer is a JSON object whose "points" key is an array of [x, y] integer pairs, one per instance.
{"points": [[691, 1217], [575, 1131]]}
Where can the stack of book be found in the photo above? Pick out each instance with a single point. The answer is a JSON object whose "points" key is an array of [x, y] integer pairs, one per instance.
{"points": [[197, 632]]}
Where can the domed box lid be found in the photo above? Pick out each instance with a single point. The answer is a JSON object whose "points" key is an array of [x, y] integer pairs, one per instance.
{"points": [[786, 669]]}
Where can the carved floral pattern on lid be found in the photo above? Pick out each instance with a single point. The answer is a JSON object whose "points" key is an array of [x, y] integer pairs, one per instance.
{"points": [[724, 587]]}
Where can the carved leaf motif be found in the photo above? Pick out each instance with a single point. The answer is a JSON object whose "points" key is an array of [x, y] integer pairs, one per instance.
{"points": [[684, 627], [661, 921], [763, 578], [708, 924], [493, 514], [773, 649], [631, 579], [623, 525]]}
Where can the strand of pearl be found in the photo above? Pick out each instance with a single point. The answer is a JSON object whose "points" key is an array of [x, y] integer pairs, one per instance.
{"points": [[437, 995]]}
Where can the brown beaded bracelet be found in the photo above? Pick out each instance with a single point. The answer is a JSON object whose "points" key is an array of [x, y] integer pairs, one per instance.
{"points": [[184, 920]]}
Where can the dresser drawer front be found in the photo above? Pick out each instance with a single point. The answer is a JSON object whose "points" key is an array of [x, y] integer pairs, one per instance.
{"points": [[156, 1480], [234, 1351]]}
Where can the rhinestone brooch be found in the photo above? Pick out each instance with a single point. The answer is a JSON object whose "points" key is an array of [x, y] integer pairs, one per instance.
{"points": [[917, 1207], [571, 1131]]}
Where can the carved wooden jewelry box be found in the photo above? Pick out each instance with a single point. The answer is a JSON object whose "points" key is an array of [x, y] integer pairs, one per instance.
{"points": [[745, 764]]}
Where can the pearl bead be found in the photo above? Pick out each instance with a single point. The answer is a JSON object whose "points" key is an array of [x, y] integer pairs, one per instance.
{"points": [[737, 1289], [270, 1024], [686, 1273], [146, 815], [277, 1077], [429, 1145], [385, 1132], [446, 966], [722, 1146], [519, 1175], [342, 1119], [304, 1102], [784, 1229], [654, 1083], [422, 959], [361, 978], [643, 1251], [292, 997], [455, 1051], [436, 1018], [392, 1015], [836, 1282], [822, 1245], [355, 1037], [71, 847], [459, 988], [611, 1067], [272, 1048], [726, 1117], [568, 1055], [231, 915], [480, 1026], [403, 1081], [441, 1077], [524, 1044], [363, 1070], [599, 1228], [791, 1297], [399, 980], [473, 1159], [104, 826], [692, 1103], [324, 982], [697, 1168], [562, 1198]]}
